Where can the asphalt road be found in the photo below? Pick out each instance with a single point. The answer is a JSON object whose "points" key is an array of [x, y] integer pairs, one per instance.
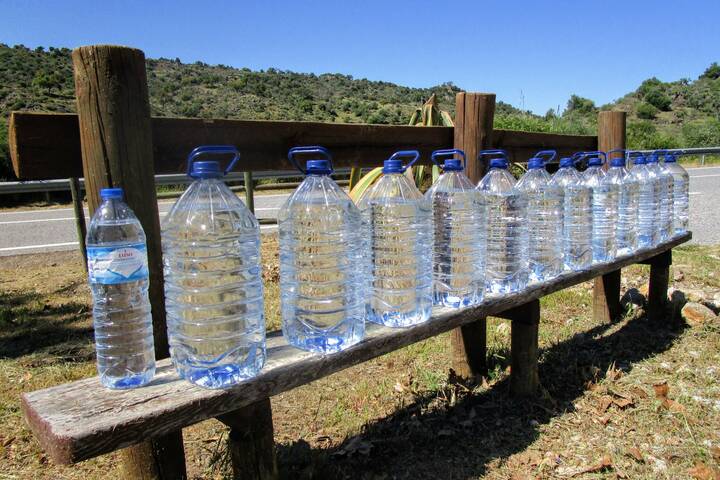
{"points": [[53, 229], [48, 229]]}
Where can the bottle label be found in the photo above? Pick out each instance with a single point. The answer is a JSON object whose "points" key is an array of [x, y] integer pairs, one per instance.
{"points": [[113, 265]]}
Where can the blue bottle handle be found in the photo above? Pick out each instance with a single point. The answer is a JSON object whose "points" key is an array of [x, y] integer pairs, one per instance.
{"points": [[496, 152], [313, 149], [578, 156], [406, 154], [545, 153], [214, 150], [657, 153], [448, 152]]}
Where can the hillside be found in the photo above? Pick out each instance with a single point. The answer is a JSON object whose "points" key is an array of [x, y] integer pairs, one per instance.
{"points": [[41, 80]]}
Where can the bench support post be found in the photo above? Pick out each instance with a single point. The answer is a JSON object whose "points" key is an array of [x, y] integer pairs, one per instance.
{"points": [[116, 143], [251, 442], [606, 298], [473, 132], [657, 290], [525, 323]]}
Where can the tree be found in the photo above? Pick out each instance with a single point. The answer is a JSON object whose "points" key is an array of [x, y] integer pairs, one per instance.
{"points": [[658, 99], [649, 84], [646, 111], [712, 72], [578, 104]]}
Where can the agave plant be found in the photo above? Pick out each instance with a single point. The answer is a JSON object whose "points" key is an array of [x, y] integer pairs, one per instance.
{"points": [[429, 115]]}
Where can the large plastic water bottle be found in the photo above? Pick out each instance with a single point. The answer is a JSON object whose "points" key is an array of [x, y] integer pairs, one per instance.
{"points": [[506, 264], [459, 244], [544, 217], [213, 284], [577, 216], [666, 194], [401, 238], [681, 186], [605, 198], [324, 260], [118, 274], [626, 232], [648, 202]]}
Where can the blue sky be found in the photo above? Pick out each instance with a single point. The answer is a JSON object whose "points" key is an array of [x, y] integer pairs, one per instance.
{"points": [[531, 53]]}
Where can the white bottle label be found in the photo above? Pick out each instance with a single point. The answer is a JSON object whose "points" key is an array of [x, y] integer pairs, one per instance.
{"points": [[113, 265]]}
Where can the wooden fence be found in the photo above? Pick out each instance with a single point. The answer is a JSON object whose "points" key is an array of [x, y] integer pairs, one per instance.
{"points": [[114, 142]]}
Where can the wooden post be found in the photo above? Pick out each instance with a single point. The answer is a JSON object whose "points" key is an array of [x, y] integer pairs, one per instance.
{"points": [[249, 191], [606, 294], [473, 132], [116, 144], [657, 290], [80, 227], [524, 376], [251, 442]]}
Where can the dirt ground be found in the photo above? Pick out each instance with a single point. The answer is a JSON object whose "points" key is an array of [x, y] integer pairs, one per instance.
{"points": [[631, 399]]}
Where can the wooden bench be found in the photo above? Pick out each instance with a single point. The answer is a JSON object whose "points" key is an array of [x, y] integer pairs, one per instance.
{"points": [[113, 142], [82, 420]]}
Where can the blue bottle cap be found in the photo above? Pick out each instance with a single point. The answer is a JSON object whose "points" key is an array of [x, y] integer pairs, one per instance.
{"points": [[617, 162], [536, 163], [595, 162], [206, 169], [652, 158], [670, 158], [567, 162], [106, 193], [639, 160], [452, 165], [318, 167], [393, 166], [499, 163]]}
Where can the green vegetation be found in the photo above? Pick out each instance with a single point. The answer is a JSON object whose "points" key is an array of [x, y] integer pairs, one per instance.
{"points": [[680, 113]]}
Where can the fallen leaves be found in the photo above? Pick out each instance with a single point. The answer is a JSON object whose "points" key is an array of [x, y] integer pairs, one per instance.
{"points": [[702, 472], [355, 445], [635, 453], [605, 463], [661, 393]]}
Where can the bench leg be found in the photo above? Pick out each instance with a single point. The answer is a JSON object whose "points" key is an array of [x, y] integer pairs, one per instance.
{"points": [[469, 345], [160, 459], [657, 290], [524, 376], [251, 443], [606, 298]]}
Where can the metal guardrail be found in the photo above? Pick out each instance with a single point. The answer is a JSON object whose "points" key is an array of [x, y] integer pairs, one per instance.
{"points": [[63, 185]]}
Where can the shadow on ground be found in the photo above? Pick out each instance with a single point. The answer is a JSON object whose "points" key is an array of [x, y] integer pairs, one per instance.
{"points": [[30, 325], [434, 437]]}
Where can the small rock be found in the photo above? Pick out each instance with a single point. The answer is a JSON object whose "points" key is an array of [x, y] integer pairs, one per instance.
{"points": [[695, 313], [679, 276], [644, 290], [633, 297], [713, 303], [693, 295]]}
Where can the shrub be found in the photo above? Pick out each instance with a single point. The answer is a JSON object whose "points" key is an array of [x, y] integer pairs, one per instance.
{"points": [[646, 111], [658, 99], [581, 105], [712, 72], [702, 133]]}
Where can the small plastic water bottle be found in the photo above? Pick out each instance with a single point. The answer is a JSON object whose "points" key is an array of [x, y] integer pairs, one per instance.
{"points": [[545, 218], [627, 219], [324, 260], [648, 202], [459, 245], [681, 188], [666, 194], [506, 265], [401, 244], [213, 284], [577, 216], [605, 198], [118, 275]]}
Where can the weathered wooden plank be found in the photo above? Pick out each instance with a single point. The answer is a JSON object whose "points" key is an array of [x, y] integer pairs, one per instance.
{"points": [[81, 420], [47, 145]]}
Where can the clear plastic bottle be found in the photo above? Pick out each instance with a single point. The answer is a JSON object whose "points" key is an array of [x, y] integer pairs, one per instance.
{"points": [[400, 244], [577, 216], [459, 243], [627, 218], [545, 218], [666, 194], [118, 275], [506, 264], [213, 283], [605, 198], [648, 202], [324, 261], [681, 189]]}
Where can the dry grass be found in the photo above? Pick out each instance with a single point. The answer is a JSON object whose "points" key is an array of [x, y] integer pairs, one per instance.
{"points": [[403, 415]]}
